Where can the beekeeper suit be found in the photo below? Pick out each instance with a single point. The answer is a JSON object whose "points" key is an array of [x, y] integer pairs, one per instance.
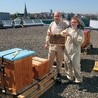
{"points": [[55, 51], [73, 43]]}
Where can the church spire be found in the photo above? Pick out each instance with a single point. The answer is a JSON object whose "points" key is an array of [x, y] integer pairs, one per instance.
{"points": [[25, 11]]}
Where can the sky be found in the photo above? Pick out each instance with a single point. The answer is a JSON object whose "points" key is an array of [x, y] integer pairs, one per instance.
{"points": [[36, 6]]}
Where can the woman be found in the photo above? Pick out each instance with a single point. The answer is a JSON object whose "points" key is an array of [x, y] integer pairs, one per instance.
{"points": [[73, 43]]}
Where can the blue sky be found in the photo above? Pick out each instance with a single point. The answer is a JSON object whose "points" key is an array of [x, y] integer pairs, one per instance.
{"points": [[33, 6]]}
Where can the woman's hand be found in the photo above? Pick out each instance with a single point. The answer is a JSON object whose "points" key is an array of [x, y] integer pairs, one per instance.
{"points": [[49, 33], [66, 34]]}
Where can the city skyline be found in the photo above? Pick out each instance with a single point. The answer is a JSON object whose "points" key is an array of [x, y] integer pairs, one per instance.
{"points": [[37, 6]]}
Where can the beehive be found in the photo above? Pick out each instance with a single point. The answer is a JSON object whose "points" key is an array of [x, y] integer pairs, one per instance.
{"points": [[86, 38], [40, 67], [17, 69]]}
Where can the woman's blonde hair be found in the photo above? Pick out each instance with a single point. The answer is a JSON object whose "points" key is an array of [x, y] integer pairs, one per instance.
{"points": [[77, 19], [80, 23]]}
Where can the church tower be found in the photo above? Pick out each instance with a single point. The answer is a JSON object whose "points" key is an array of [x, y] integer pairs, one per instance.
{"points": [[25, 12]]}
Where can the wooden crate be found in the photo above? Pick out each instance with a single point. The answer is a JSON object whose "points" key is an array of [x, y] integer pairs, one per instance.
{"points": [[17, 73], [95, 68], [40, 67]]}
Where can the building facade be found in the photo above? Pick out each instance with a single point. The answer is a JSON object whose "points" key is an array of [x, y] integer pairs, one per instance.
{"points": [[4, 16]]}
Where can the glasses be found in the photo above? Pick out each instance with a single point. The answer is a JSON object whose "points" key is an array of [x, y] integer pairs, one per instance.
{"points": [[74, 22], [56, 16]]}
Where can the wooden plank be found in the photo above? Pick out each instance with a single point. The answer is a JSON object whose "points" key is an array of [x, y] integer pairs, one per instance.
{"points": [[47, 79], [35, 94], [39, 92], [27, 92], [39, 88], [2, 95], [46, 87]]}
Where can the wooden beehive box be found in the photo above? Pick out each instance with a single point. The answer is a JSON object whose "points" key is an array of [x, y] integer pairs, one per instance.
{"points": [[57, 39], [86, 38], [17, 70], [40, 67]]}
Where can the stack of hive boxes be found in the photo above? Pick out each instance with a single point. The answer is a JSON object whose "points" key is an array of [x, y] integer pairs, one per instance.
{"points": [[17, 72], [40, 67]]}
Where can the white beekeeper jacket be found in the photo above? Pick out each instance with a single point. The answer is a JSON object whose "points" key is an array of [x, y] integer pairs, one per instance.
{"points": [[73, 44], [55, 50], [73, 48]]}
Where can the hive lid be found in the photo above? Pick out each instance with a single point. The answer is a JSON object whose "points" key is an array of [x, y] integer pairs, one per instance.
{"points": [[15, 54]]}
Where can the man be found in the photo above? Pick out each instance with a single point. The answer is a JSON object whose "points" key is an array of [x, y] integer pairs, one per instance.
{"points": [[55, 50]]}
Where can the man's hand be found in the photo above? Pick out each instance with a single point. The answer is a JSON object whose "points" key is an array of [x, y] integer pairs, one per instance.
{"points": [[46, 45]]}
